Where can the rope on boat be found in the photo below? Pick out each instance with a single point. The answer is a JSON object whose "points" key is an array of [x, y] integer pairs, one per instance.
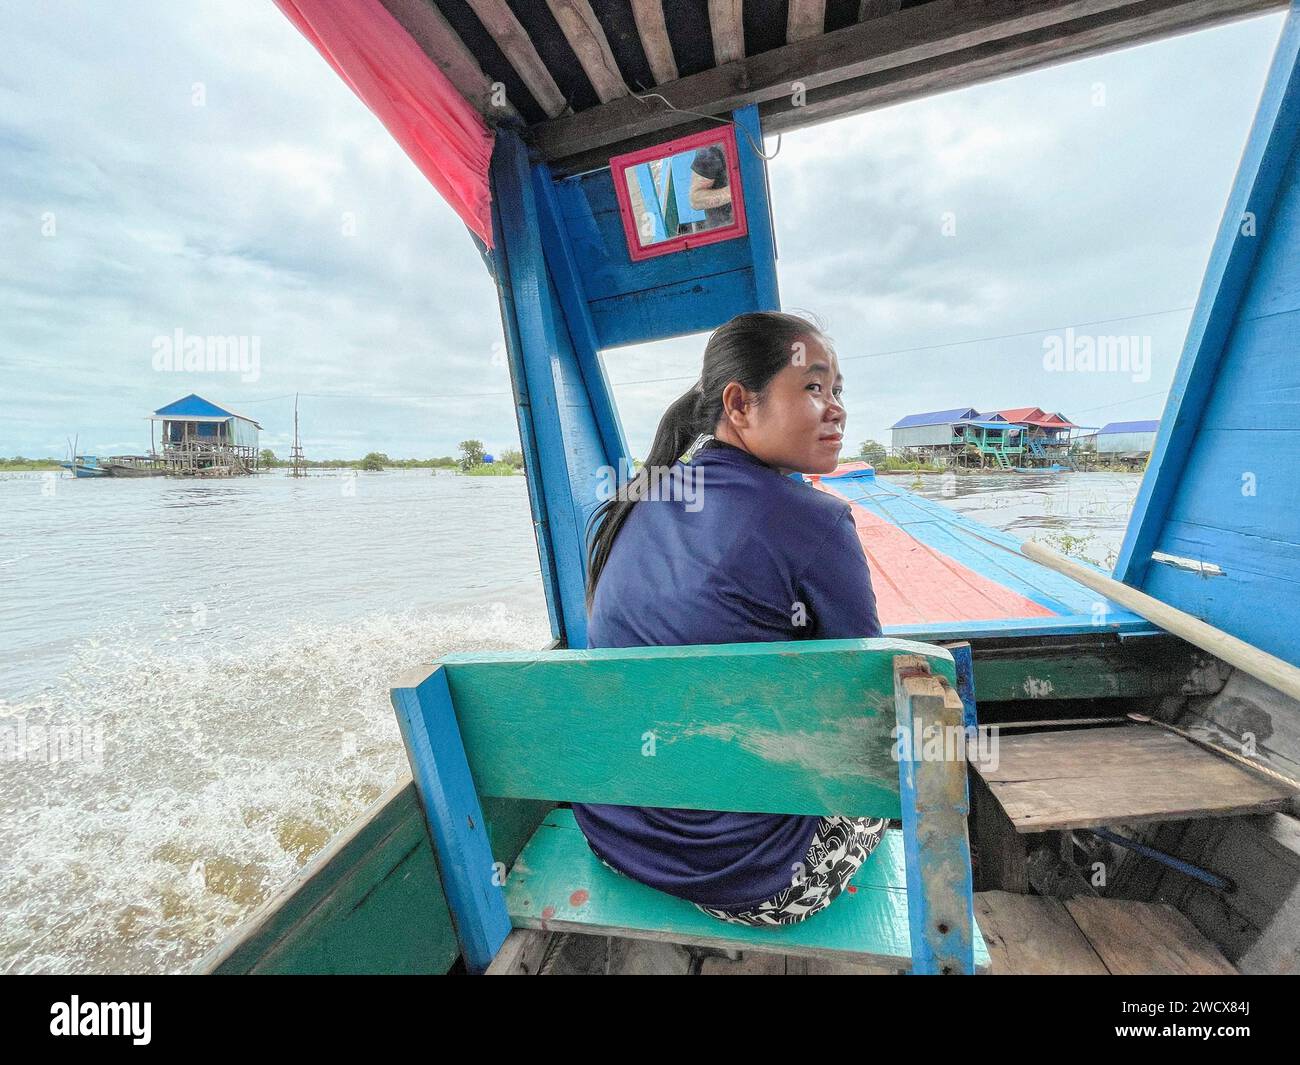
{"points": [[552, 953], [1236, 756], [645, 96]]}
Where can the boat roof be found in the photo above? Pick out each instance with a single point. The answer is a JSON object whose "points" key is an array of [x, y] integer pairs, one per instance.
{"points": [[592, 78]]}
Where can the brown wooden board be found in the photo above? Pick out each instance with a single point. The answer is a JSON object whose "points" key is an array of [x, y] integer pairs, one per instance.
{"points": [[1049, 781], [998, 851], [1033, 936], [1029, 935], [1144, 938]]}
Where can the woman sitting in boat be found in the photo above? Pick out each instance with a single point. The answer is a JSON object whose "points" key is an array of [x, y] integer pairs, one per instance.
{"points": [[750, 554]]}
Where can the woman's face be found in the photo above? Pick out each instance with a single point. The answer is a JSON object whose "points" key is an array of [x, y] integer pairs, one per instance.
{"points": [[799, 425]]}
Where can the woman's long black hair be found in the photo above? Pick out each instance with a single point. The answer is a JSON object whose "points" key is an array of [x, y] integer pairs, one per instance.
{"points": [[751, 348]]}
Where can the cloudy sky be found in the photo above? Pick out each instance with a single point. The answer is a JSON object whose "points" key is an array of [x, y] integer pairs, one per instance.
{"points": [[198, 167]]}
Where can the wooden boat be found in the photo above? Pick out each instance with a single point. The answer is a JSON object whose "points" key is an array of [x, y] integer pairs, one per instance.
{"points": [[115, 466], [135, 466], [85, 466], [1141, 817]]}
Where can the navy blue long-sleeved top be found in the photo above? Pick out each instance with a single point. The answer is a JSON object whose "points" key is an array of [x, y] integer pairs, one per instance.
{"points": [[741, 553]]}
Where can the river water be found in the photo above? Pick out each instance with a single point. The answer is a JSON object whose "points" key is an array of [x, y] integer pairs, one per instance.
{"points": [[196, 675]]}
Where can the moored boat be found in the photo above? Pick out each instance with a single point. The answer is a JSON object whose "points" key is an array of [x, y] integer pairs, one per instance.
{"points": [[86, 466], [135, 466]]}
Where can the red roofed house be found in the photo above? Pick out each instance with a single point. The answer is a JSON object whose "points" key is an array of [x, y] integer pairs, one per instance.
{"points": [[1047, 435]]}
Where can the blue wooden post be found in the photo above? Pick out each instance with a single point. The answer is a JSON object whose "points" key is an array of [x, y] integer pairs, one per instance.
{"points": [[524, 415], [940, 900], [561, 261], [965, 663], [464, 853], [554, 363], [758, 209]]}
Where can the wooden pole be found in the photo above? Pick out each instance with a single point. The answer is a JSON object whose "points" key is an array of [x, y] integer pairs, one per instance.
{"points": [[1272, 670]]}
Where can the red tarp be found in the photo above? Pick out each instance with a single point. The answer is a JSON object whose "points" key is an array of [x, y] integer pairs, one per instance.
{"points": [[436, 126]]}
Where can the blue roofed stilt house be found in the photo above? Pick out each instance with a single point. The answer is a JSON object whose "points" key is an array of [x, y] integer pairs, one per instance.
{"points": [[958, 437], [202, 439]]}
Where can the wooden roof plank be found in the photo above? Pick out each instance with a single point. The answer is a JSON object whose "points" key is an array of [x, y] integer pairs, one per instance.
{"points": [[870, 9], [653, 30], [806, 18], [1121, 27], [513, 40], [960, 41], [727, 23], [910, 36], [430, 29], [587, 39]]}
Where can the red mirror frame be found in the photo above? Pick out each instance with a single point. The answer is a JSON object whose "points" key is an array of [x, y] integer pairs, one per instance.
{"points": [[619, 165]]}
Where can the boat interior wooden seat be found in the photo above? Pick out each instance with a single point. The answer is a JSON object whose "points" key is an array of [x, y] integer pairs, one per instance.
{"points": [[813, 727]]}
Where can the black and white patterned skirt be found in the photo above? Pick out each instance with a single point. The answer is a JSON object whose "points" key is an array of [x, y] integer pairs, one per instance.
{"points": [[837, 851]]}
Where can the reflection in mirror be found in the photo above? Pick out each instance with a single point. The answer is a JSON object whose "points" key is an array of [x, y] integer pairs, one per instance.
{"points": [[689, 192]]}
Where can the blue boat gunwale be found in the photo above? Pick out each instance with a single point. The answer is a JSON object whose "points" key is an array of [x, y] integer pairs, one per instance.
{"points": [[1269, 151]]}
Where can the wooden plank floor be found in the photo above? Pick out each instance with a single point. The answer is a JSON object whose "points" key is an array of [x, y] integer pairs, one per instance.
{"points": [[1124, 775], [1027, 935], [1033, 936]]}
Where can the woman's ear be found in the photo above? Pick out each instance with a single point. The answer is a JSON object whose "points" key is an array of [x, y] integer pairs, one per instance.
{"points": [[735, 405]]}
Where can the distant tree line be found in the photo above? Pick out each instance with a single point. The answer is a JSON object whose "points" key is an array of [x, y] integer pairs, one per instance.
{"points": [[472, 460], [20, 463], [375, 460]]}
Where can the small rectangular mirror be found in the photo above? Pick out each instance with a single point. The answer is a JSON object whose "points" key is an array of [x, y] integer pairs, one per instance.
{"points": [[682, 194]]}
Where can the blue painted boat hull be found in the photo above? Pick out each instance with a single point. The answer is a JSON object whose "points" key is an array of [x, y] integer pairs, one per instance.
{"points": [[87, 466]]}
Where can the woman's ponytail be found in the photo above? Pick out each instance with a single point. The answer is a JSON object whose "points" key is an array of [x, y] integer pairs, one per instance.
{"points": [[681, 424]]}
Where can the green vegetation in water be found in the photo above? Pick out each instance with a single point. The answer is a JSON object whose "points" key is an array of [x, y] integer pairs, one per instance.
{"points": [[874, 452], [20, 463], [472, 461], [491, 469], [1076, 547], [892, 465]]}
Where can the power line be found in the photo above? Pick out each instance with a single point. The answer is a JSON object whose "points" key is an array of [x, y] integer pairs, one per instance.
{"points": [[1013, 336], [693, 377], [956, 343], [1120, 403]]}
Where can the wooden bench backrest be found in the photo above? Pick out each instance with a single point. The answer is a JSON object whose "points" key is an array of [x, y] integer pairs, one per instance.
{"points": [[799, 728]]}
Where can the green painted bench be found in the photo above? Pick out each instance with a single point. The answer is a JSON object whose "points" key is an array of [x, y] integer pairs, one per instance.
{"points": [[800, 728]]}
